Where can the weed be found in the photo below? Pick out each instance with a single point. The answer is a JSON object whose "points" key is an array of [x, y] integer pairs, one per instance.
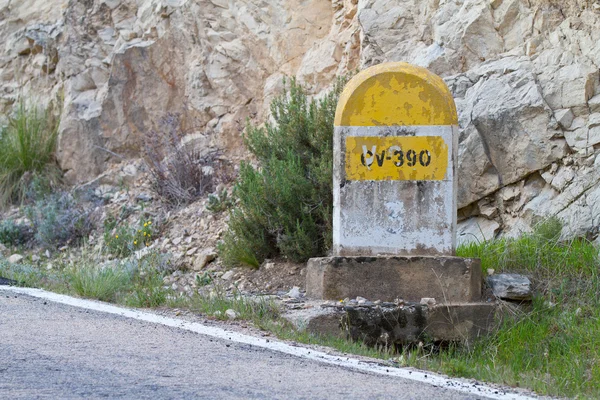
{"points": [[98, 283], [121, 240], [59, 220], [180, 173], [204, 279], [217, 302], [219, 203], [27, 147], [147, 291], [12, 234], [284, 207]]}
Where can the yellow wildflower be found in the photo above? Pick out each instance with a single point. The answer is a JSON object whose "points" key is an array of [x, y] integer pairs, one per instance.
{"points": [[116, 236]]}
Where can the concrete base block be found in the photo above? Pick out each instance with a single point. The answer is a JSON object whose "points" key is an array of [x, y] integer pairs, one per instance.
{"points": [[464, 321], [386, 278], [318, 320], [395, 325]]}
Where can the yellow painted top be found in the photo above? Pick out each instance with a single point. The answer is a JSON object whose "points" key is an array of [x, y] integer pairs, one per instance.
{"points": [[395, 94]]}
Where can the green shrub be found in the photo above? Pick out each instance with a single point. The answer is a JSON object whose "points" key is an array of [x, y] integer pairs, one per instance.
{"points": [[58, 220], [285, 206], [12, 234], [27, 147], [121, 240]]}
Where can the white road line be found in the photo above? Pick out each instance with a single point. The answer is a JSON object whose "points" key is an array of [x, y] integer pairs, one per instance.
{"points": [[297, 351]]}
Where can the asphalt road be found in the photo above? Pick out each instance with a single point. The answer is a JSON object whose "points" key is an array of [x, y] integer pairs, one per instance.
{"points": [[54, 351]]}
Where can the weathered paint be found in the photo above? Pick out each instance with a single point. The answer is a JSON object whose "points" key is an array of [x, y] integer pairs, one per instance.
{"points": [[396, 94], [383, 205], [405, 158]]}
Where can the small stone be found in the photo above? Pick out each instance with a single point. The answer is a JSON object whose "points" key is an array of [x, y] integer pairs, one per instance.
{"points": [[15, 258], [191, 251], [145, 197], [231, 314], [428, 301], [491, 271], [176, 241], [139, 254], [217, 314], [228, 275], [294, 293], [174, 286], [511, 287], [105, 191], [204, 258], [269, 265], [361, 300], [35, 258]]}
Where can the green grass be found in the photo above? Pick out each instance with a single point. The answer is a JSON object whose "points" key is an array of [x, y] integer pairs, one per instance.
{"points": [[27, 149], [99, 283], [135, 283], [552, 348]]}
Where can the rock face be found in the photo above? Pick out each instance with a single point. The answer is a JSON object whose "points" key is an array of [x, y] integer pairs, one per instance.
{"points": [[524, 74]]}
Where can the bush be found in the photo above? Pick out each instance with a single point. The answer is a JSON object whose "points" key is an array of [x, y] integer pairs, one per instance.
{"points": [[12, 234], [27, 147], [58, 220], [180, 173], [285, 206]]}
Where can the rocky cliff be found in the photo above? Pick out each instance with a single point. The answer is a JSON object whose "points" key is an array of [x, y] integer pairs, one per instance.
{"points": [[524, 73]]}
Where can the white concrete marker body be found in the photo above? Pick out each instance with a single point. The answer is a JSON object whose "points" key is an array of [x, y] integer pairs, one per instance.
{"points": [[395, 154], [402, 217], [429, 378]]}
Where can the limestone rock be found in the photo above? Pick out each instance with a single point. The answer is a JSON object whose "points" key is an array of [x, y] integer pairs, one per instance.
{"points": [[15, 259], [524, 76], [294, 293], [510, 287], [231, 314], [205, 257], [228, 275], [477, 229]]}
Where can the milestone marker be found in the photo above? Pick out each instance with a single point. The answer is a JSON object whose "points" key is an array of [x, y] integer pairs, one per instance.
{"points": [[395, 151], [394, 216]]}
